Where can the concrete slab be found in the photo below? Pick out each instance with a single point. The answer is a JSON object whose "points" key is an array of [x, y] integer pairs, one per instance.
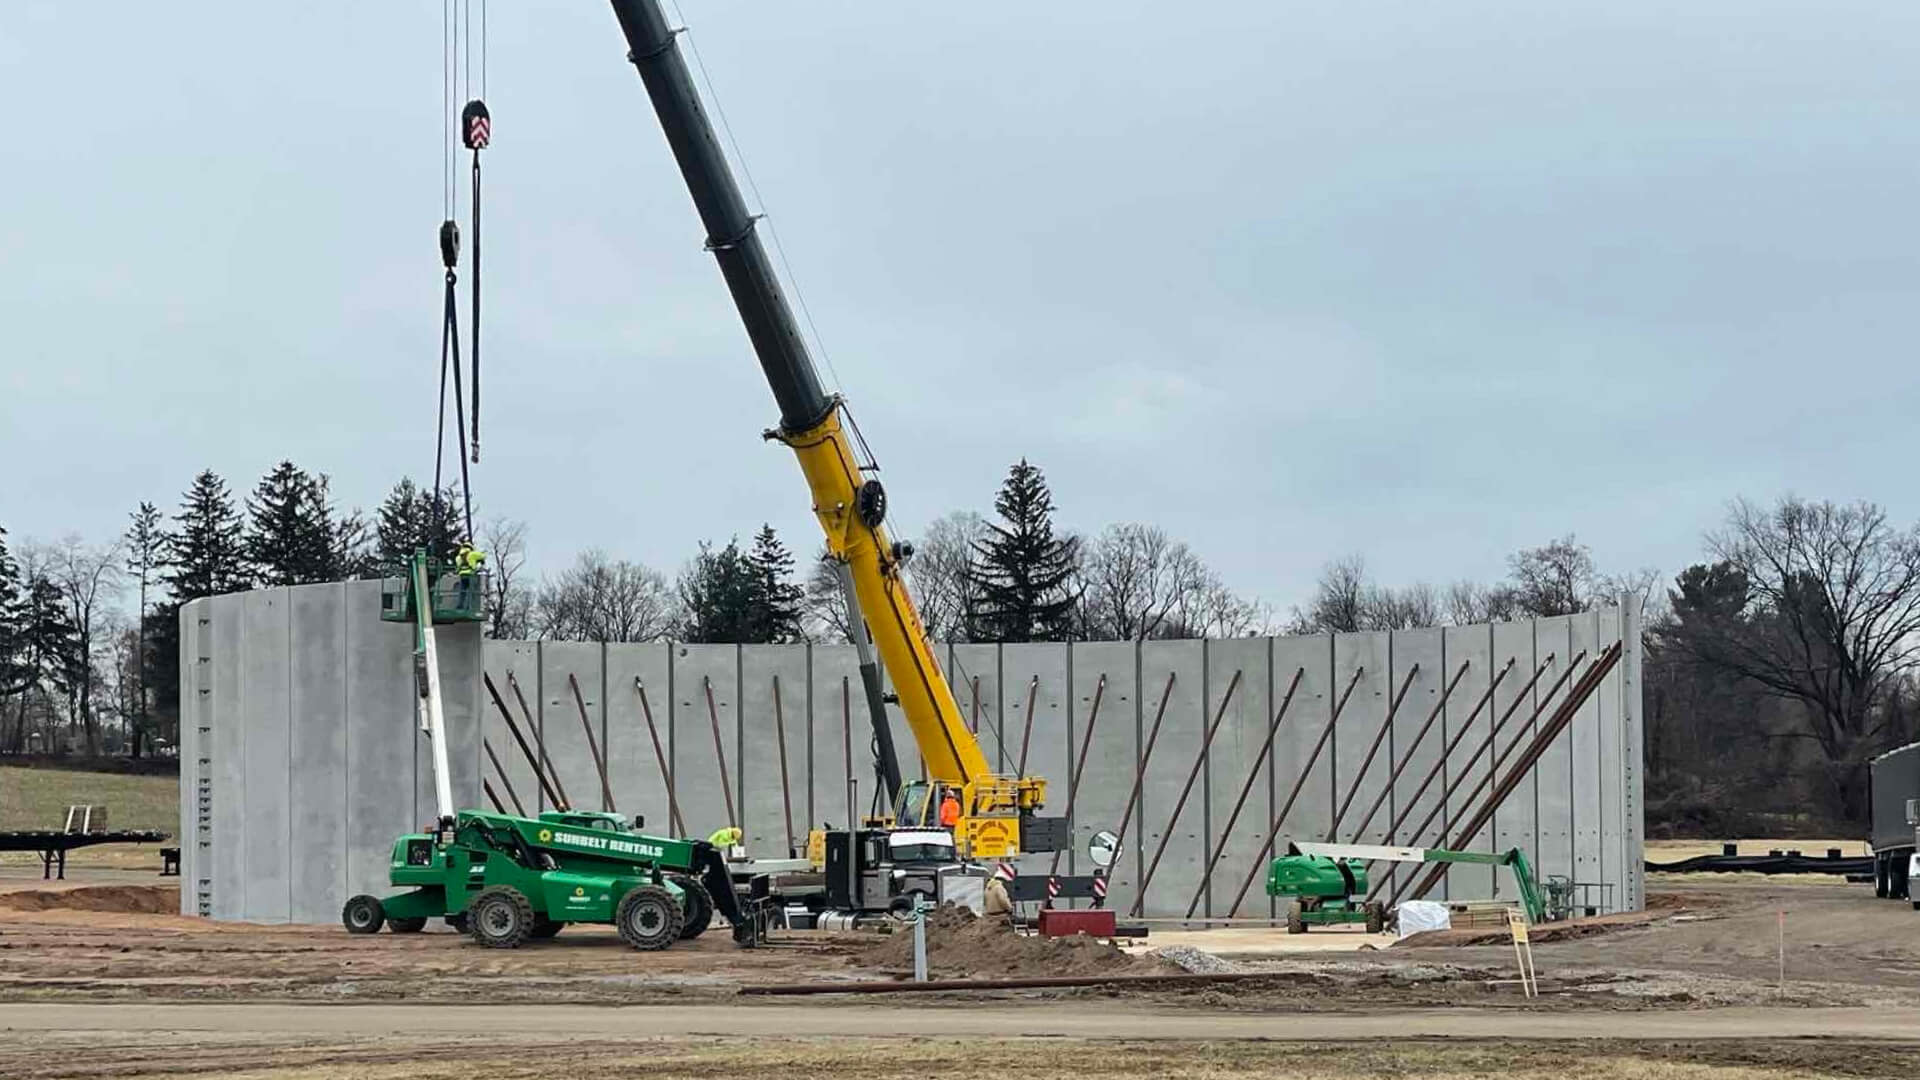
{"points": [[1109, 738], [1038, 673], [1515, 822], [1303, 779], [317, 786], [974, 671], [1168, 829], [560, 716], [506, 661], [1606, 766], [706, 690], [637, 715], [224, 640], [838, 741], [461, 696], [774, 722], [1578, 752], [1415, 743], [1467, 722], [381, 721], [1240, 762], [1364, 720]]}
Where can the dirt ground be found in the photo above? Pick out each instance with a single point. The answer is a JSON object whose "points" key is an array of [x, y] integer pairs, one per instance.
{"points": [[1692, 989]]}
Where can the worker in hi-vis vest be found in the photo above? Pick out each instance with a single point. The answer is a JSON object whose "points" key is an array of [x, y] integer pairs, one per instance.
{"points": [[727, 837], [949, 810]]}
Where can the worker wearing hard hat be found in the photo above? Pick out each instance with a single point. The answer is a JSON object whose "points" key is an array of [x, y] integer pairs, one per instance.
{"points": [[727, 837], [949, 810]]}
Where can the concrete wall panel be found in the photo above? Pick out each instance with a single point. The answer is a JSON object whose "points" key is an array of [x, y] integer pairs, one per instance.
{"points": [[706, 693], [774, 801], [1302, 780], [228, 765], [1415, 742], [839, 735], [1515, 823], [974, 671], [1578, 752], [1552, 852], [1469, 716], [507, 661], [318, 793], [637, 673], [381, 719], [560, 715], [1608, 774], [1109, 743], [1169, 830], [1038, 674], [1356, 777], [1240, 760], [1633, 828], [196, 772]]}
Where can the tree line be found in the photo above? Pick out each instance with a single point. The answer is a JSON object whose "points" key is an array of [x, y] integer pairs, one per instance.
{"points": [[1775, 667]]}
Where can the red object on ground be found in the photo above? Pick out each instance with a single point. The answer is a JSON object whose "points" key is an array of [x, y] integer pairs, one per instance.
{"points": [[1060, 922]]}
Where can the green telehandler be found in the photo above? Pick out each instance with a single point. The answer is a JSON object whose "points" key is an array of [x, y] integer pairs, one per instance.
{"points": [[1327, 883], [506, 880]]}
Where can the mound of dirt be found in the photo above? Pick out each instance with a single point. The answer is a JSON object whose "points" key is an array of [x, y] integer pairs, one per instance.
{"points": [[962, 946], [134, 899]]}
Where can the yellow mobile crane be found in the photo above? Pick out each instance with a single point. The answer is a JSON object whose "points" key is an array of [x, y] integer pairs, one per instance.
{"points": [[997, 813]]}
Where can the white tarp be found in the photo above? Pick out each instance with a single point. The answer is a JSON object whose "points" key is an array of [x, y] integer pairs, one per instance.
{"points": [[1418, 915]]}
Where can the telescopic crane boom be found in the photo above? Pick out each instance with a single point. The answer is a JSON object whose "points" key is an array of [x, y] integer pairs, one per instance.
{"points": [[847, 499]]}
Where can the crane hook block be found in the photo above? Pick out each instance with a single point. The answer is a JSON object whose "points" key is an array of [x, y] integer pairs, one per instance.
{"points": [[871, 502], [449, 243], [476, 125]]}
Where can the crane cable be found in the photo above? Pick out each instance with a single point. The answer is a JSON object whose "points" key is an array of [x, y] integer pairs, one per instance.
{"points": [[476, 131]]}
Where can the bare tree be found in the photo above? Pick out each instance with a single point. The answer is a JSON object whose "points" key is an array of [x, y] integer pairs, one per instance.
{"points": [[824, 606], [509, 602], [1339, 600], [941, 575], [1415, 606], [1557, 579], [1135, 579], [1467, 603], [88, 577], [1826, 614], [601, 599]]}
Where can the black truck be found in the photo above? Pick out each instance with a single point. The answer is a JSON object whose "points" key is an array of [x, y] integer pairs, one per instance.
{"points": [[1894, 789]]}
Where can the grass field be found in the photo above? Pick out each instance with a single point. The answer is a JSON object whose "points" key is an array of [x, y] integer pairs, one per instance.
{"points": [[37, 798]]}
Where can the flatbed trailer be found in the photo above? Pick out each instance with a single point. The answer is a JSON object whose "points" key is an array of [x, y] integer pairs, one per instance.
{"points": [[52, 845]]}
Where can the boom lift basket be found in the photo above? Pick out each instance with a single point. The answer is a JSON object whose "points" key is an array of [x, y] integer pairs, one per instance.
{"points": [[456, 598]]}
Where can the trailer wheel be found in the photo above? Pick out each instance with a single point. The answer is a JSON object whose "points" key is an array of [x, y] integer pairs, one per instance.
{"points": [[1376, 917], [407, 926], [1880, 889], [1296, 918], [500, 917], [363, 915], [544, 928], [699, 908], [649, 918]]}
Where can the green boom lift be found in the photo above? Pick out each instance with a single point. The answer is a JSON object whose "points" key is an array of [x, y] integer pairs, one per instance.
{"points": [[1328, 882], [505, 879]]}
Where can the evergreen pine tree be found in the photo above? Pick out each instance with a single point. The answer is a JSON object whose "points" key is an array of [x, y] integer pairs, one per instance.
{"points": [[778, 598], [206, 554], [146, 546], [410, 518], [13, 663], [719, 596], [1024, 571], [290, 538]]}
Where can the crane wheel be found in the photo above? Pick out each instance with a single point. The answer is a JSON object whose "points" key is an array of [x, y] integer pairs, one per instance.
{"points": [[544, 928], [407, 926], [500, 917], [649, 918], [699, 907], [1376, 917], [363, 915], [1296, 921]]}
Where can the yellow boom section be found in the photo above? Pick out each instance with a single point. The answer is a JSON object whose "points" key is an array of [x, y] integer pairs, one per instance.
{"points": [[833, 475]]}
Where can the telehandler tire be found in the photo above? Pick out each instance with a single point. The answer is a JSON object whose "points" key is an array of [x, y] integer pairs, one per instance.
{"points": [[1296, 922], [544, 928], [500, 917], [649, 918], [699, 908], [363, 915], [407, 926], [1376, 917]]}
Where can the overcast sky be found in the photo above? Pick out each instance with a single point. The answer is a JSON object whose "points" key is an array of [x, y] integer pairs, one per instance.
{"points": [[1426, 282]]}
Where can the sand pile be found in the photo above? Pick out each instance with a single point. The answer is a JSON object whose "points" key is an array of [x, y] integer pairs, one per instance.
{"points": [[136, 899], [962, 946]]}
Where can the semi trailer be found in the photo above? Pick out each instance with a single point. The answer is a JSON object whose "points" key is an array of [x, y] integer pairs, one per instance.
{"points": [[1893, 782]]}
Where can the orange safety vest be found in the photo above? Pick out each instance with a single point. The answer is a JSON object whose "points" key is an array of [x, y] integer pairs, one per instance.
{"points": [[949, 811]]}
